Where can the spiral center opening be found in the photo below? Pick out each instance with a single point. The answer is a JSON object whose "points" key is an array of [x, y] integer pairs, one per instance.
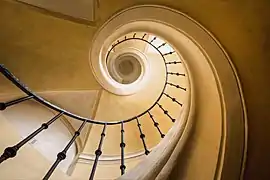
{"points": [[125, 69]]}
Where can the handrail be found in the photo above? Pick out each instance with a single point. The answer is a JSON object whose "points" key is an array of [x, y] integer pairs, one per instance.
{"points": [[11, 151], [166, 69], [165, 64], [41, 100]]}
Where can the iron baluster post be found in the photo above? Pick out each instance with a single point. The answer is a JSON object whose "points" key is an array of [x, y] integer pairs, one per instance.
{"points": [[153, 40], [168, 53], [173, 99], [166, 112], [142, 136], [177, 86], [156, 125], [177, 74], [11, 152], [63, 154], [173, 62], [4, 105], [143, 36], [98, 153], [163, 44], [122, 146]]}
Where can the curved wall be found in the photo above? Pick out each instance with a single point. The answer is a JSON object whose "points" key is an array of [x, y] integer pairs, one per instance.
{"points": [[210, 68], [246, 42]]}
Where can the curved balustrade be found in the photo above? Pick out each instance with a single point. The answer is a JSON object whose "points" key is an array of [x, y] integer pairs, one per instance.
{"points": [[11, 151]]}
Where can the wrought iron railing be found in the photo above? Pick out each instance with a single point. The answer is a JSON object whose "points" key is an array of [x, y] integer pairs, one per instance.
{"points": [[12, 151]]}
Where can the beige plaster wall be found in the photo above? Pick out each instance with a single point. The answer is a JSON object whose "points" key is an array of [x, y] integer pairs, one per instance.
{"points": [[82, 10], [82, 103], [29, 163], [243, 29], [68, 100], [27, 116], [45, 52], [241, 26]]}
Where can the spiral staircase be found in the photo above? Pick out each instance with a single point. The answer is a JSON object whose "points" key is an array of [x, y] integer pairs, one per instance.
{"points": [[119, 91]]}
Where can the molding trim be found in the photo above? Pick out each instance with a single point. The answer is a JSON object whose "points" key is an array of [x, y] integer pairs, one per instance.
{"points": [[58, 14], [204, 40]]}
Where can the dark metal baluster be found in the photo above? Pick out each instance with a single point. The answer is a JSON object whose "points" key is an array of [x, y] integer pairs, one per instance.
{"points": [[4, 105], [63, 154], [156, 125], [142, 136], [11, 152], [163, 44], [125, 37], [122, 145], [134, 35], [98, 153], [173, 99], [177, 86], [166, 112], [177, 74], [113, 46], [174, 62], [168, 53], [153, 40], [143, 36]]}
